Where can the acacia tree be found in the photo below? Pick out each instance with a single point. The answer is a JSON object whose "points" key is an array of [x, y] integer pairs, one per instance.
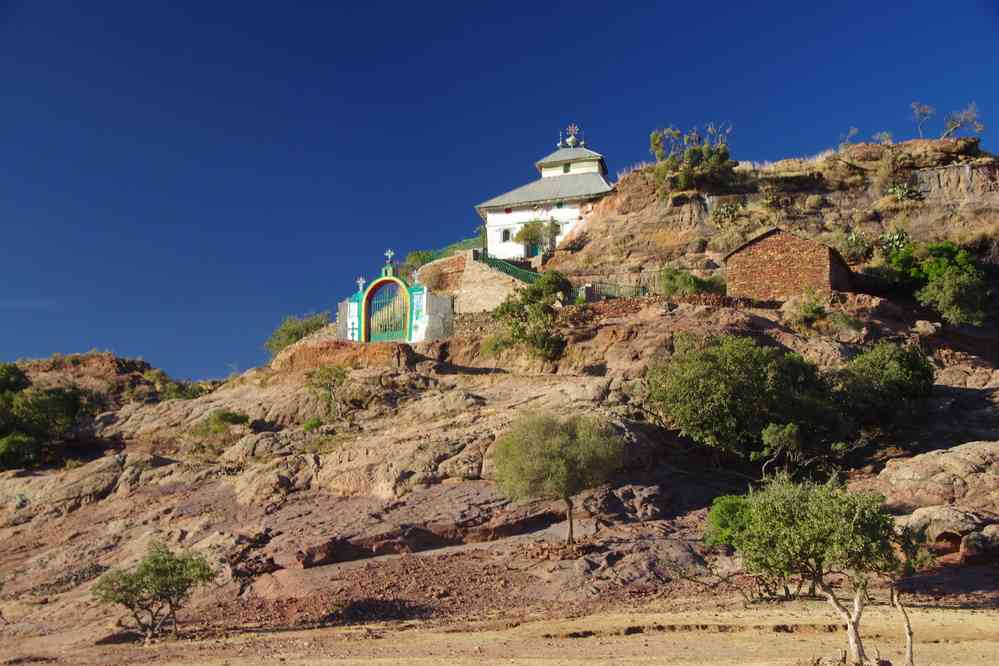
{"points": [[544, 457], [159, 585], [808, 531], [965, 119], [920, 114]]}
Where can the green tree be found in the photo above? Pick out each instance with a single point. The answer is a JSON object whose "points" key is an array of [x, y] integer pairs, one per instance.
{"points": [[293, 329], [886, 379], [18, 450], [46, 414], [325, 383], [725, 392], [547, 457], [959, 296], [159, 585], [529, 314], [806, 530], [12, 378]]}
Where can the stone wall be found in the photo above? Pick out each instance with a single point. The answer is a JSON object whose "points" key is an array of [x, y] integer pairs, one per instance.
{"points": [[780, 266], [475, 324], [482, 288], [443, 275]]}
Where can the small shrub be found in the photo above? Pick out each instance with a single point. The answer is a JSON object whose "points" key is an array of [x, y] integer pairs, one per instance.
{"points": [[840, 322], [961, 297], [12, 378], [726, 241], [854, 246], [675, 282], [493, 345], [692, 160], [160, 584], [529, 314], [879, 382], [726, 214], [219, 422], [293, 329], [805, 310], [312, 424], [326, 383], [18, 450], [547, 457], [726, 519]]}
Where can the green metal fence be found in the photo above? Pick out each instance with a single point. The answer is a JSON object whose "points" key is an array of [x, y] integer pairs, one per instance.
{"points": [[509, 269]]}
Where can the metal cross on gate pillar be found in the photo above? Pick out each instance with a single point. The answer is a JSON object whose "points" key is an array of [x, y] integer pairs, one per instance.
{"points": [[388, 256]]}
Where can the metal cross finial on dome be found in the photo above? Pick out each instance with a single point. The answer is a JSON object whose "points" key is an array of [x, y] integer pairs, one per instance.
{"points": [[360, 283], [388, 256], [572, 130]]}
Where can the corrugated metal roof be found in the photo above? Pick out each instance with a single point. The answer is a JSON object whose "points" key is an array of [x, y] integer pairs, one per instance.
{"points": [[569, 186], [563, 155]]}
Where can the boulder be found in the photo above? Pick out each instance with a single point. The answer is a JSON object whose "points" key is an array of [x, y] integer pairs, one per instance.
{"points": [[981, 547], [945, 526], [967, 475]]}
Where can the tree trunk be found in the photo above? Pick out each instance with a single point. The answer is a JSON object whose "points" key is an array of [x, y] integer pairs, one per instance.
{"points": [[910, 659], [856, 645], [568, 515]]}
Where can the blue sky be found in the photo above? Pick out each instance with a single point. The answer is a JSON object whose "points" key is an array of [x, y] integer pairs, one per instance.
{"points": [[177, 177]]}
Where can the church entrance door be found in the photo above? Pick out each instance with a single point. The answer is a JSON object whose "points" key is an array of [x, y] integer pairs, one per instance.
{"points": [[387, 313]]}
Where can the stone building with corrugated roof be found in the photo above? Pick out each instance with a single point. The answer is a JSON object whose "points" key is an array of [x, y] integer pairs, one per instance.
{"points": [[572, 179], [777, 265]]}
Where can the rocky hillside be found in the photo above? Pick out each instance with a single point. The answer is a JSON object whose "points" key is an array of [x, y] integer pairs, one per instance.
{"points": [[311, 524], [952, 193], [287, 515]]}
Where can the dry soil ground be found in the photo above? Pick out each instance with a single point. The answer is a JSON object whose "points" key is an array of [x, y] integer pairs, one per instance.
{"points": [[669, 631]]}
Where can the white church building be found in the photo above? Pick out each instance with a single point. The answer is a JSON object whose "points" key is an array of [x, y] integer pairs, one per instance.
{"points": [[572, 179]]}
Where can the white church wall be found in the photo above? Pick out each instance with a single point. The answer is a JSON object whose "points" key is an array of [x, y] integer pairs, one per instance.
{"points": [[500, 221], [588, 166]]}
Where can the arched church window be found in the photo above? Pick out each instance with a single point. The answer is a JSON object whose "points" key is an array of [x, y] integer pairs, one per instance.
{"points": [[506, 235], [565, 168]]}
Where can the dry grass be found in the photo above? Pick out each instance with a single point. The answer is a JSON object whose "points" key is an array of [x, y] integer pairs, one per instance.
{"points": [[786, 166]]}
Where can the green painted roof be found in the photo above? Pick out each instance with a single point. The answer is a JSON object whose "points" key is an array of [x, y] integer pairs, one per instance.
{"points": [[569, 186]]}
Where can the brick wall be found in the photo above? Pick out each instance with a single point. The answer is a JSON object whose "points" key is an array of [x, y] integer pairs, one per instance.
{"points": [[781, 265]]}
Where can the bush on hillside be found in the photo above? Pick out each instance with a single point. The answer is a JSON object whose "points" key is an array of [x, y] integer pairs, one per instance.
{"points": [[293, 329], [961, 297], [724, 393], [545, 457], [219, 422], [326, 383], [943, 276], [676, 282], [530, 316], [12, 378], [694, 159], [156, 588], [18, 451], [726, 519], [885, 380]]}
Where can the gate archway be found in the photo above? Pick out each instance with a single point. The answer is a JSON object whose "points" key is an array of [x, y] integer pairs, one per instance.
{"points": [[386, 311]]}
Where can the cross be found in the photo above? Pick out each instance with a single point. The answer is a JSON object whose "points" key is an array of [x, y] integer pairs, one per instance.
{"points": [[572, 129], [388, 256], [360, 283]]}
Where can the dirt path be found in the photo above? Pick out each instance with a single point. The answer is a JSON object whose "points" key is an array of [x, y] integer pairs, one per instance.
{"points": [[666, 632]]}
